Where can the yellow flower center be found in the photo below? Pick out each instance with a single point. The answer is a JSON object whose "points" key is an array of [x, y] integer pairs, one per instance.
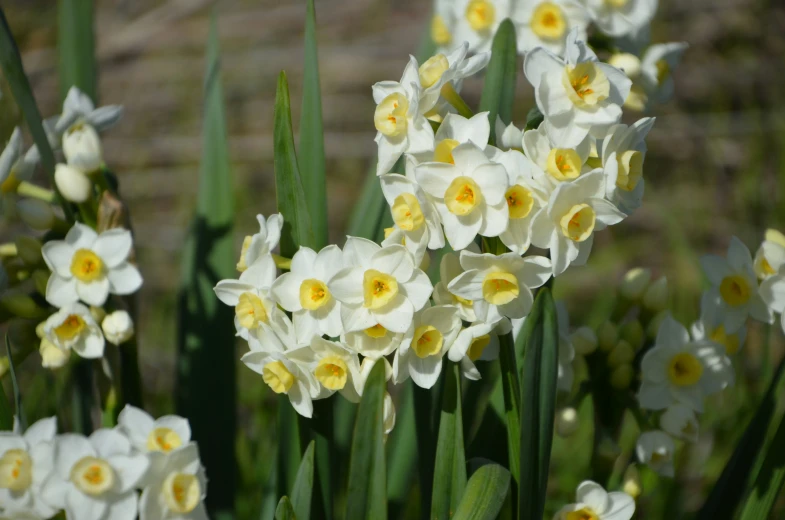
{"points": [[314, 294], [92, 476], [390, 115], [663, 70], [443, 151], [70, 328], [735, 290], [500, 288], [277, 377], [241, 265], [731, 342], [376, 332], [182, 492], [16, 470], [86, 266], [766, 269], [564, 164], [480, 14], [548, 21], [585, 513], [163, 439], [478, 346], [578, 223], [406, 212], [586, 84], [630, 169], [617, 4], [462, 196], [684, 369], [427, 341], [519, 201], [378, 289], [440, 33], [331, 372], [660, 458], [431, 71], [250, 311]]}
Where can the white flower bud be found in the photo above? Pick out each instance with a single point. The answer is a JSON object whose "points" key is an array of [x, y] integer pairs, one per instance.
{"points": [[82, 147], [118, 327], [566, 422], [52, 356], [584, 341], [389, 414], [634, 283], [655, 449], [367, 365], [656, 296], [680, 421], [72, 183], [632, 481], [36, 213], [628, 63]]}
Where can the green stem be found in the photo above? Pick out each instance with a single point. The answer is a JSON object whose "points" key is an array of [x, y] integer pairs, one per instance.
{"points": [[83, 399], [512, 404], [130, 379], [424, 412], [452, 97], [28, 189]]}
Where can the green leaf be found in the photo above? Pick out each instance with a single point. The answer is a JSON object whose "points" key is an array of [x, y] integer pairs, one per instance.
{"points": [[285, 511], [20, 412], [768, 483], [368, 212], [402, 447], [730, 487], [485, 494], [449, 478], [367, 492], [289, 445], [206, 331], [6, 412], [289, 191], [498, 93], [11, 63], [511, 386], [534, 118], [426, 424], [303, 485], [540, 367], [312, 161], [76, 47]]}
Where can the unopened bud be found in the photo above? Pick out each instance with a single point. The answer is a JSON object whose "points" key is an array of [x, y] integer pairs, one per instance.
{"points": [[632, 481], [621, 377], [389, 414], [607, 336], [632, 333], [622, 354], [654, 325], [656, 296], [40, 330], [627, 63], [72, 183], [566, 422], [634, 283], [82, 148], [118, 327], [52, 357], [584, 341], [29, 250], [367, 365], [36, 213]]}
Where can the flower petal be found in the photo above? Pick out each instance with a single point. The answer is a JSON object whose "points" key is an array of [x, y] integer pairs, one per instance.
{"points": [[113, 246], [124, 279]]}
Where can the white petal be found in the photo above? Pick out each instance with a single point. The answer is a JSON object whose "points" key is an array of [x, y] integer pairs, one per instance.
{"points": [[124, 508], [495, 219], [93, 293], [772, 290], [356, 318], [397, 315], [71, 448], [229, 291], [394, 260], [81, 236], [358, 251], [424, 371], [716, 268], [113, 246], [136, 424], [347, 285], [739, 256], [108, 442], [418, 289], [468, 284], [79, 505], [301, 400], [124, 279], [302, 261], [286, 291], [672, 333], [58, 256], [129, 469], [43, 430], [593, 495], [434, 177], [520, 306], [653, 396], [389, 152], [177, 424], [539, 63], [61, 292], [536, 272]]}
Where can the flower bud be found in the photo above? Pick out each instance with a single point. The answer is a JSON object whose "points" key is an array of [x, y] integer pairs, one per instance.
{"points": [[680, 421], [566, 422], [632, 481], [389, 414], [72, 183], [51, 356], [627, 63], [36, 213], [82, 148], [621, 377], [622, 354], [29, 250], [654, 325], [656, 296], [607, 336], [632, 333], [584, 341], [40, 329], [634, 283], [367, 365], [118, 327]]}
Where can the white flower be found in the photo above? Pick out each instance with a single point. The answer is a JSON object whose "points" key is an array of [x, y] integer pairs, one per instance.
{"points": [[628, 63], [379, 285], [89, 266], [389, 414], [772, 290], [15, 165], [476, 21], [561, 164], [733, 280], [622, 17], [508, 137], [435, 330], [770, 256], [451, 68], [374, 342], [468, 194], [453, 131], [95, 477], [82, 148], [401, 126], [575, 211], [443, 24], [178, 490], [477, 342], [118, 327], [710, 326], [72, 183], [303, 292], [525, 197], [577, 93], [25, 463], [655, 449], [259, 247], [680, 421], [73, 328], [677, 370], [79, 107], [500, 285], [333, 365], [623, 153], [546, 23], [53, 356], [657, 68], [449, 269], [595, 503]]}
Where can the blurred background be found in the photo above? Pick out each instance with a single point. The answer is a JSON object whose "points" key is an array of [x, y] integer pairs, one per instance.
{"points": [[715, 168]]}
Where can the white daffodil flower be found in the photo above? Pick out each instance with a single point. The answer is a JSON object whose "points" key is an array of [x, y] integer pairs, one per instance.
{"points": [[622, 17], [655, 449], [26, 461], [476, 21], [303, 292], [710, 326], [259, 247], [681, 422], [525, 197], [453, 131], [657, 68], [87, 266], [770, 256], [335, 367], [118, 327], [546, 24], [401, 126], [435, 330], [556, 164], [594, 503], [576, 94], [95, 477], [82, 147], [379, 285], [72, 183], [567, 224], [15, 164], [452, 68], [468, 194], [508, 137], [178, 490], [79, 107], [733, 280], [72, 327], [375, 342], [500, 285], [443, 25], [449, 269], [772, 290], [477, 342], [677, 370], [53, 356], [623, 153]]}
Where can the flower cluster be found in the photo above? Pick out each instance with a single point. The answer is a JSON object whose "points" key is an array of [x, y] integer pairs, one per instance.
{"points": [[97, 477]]}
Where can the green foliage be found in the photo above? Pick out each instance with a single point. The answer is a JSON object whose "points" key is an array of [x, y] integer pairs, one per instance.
{"points": [[76, 47], [449, 478], [485, 494], [511, 386], [498, 93], [285, 510], [6, 413], [303, 484], [770, 479]]}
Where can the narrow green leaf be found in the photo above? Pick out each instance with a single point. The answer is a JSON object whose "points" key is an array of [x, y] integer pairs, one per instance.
{"points": [[426, 425], [485, 494], [76, 47], [20, 412], [6, 412], [303, 485], [322, 430], [511, 387], [206, 332], [498, 93], [285, 511], [402, 450], [312, 161], [11, 63], [770, 479], [367, 492], [540, 367], [449, 478], [289, 191]]}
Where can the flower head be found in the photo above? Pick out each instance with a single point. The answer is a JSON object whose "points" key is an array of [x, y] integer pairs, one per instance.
{"points": [[335, 367], [118, 327], [177, 489], [623, 153], [622, 17], [259, 246], [72, 327], [546, 24], [594, 503], [655, 449]]}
